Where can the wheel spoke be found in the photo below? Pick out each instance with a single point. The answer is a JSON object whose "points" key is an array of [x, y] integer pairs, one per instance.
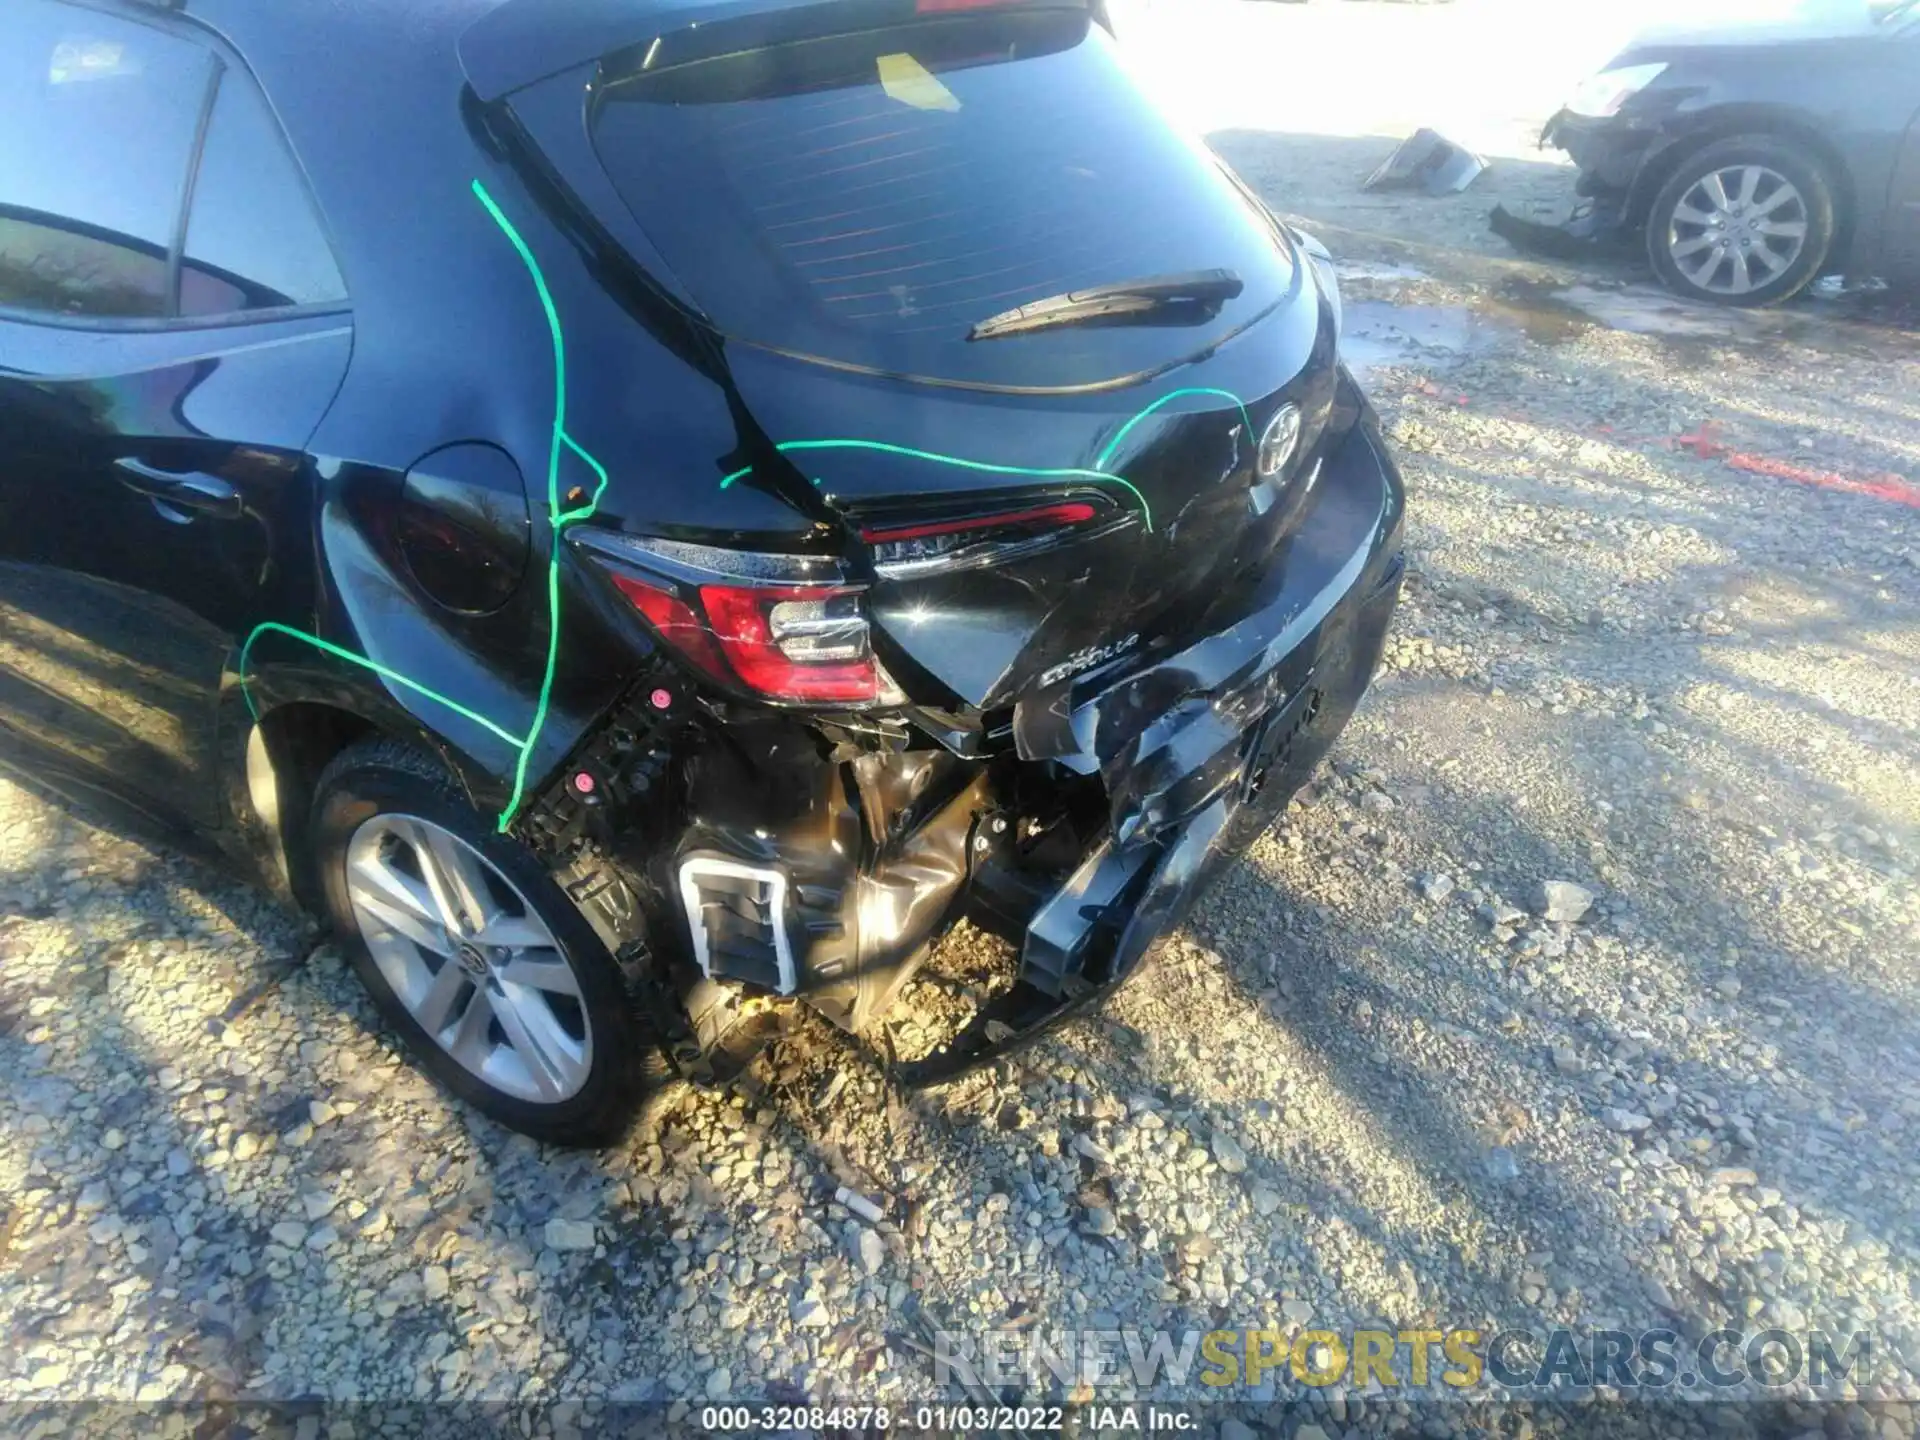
{"points": [[539, 1042], [1691, 215], [1717, 192], [1703, 274], [1693, 246], [556, 977], [514, 932], [1786, 194], [502, 999], [435, 1009], [472, 1043], [398, 902], [1742, 276], [1749, 183], [458, 889], [1784, 229]]}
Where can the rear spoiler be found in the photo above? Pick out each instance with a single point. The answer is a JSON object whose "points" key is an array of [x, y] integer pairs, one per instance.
{"points": [[525, 41]]}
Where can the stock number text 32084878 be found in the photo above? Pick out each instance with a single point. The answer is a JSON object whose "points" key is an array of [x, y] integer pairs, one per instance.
{"points": [[938, 1419]]}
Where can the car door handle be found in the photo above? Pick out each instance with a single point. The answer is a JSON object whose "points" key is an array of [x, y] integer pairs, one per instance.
{"points": [[192, 490]]}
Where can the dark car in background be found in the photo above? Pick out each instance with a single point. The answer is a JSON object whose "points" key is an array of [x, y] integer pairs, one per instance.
{"points": [[631, 507], [1759, 157]]}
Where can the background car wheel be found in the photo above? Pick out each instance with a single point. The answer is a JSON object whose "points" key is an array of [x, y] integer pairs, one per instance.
{"points": [[474, 954], [1746, 221]]}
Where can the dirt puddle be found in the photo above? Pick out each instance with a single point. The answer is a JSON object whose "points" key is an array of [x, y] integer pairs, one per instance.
{"points": [[1381, 333]]}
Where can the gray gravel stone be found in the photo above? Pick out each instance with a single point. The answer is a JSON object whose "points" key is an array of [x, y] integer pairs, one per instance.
{"points": [[1561, 901], [1227, 1153], [564, 1234], [872, 1252]]}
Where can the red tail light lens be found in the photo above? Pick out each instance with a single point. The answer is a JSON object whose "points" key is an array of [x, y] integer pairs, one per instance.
{"points": [[677, 625], [903, 550], [802, 643], [797, 642]]}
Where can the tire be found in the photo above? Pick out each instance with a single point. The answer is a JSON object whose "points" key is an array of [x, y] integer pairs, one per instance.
{"points": [[1707, 261], [580, 1057]]}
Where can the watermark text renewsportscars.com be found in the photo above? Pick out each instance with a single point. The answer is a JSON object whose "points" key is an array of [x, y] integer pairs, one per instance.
{"points": [[1419, 1360]]}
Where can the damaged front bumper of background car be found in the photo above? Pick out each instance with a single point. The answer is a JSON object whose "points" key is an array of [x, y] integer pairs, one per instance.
{"points": [[821, 856], [1610, 154]]}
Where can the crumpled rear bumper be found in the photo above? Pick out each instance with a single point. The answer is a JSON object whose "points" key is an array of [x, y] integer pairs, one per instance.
{"points": [[1201, 750]]}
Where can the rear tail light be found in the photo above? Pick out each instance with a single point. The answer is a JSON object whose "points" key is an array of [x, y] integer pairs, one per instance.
{"points": [[905, 549], [802, 643], [796, 642]]}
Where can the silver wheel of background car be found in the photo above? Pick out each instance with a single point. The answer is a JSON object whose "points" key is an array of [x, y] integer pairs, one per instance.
{"points": [[1737, 229], [469, 958]]}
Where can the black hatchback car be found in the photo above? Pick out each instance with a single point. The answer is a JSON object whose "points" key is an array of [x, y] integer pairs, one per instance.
{"points": [[632, 507]]}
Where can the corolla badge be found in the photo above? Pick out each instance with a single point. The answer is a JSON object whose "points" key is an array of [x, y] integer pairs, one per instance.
{"points": [[1086, 659], [1278, 442]]}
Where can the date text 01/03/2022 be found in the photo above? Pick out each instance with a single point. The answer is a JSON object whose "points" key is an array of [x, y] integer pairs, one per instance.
{"points": [[939, 1419]]}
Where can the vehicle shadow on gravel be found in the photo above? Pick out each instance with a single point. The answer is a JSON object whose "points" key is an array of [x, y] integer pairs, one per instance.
{"points": [[178, 1220]]}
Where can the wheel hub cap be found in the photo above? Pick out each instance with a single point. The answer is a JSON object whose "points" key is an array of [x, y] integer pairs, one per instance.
{"points": [[469, 958], [1738, 229]]}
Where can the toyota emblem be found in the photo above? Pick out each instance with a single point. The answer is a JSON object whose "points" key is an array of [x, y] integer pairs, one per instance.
{"points": [[1278, 442]]}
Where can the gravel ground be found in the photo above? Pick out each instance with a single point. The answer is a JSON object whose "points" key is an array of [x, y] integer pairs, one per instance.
{"points": [[1579, 987]]}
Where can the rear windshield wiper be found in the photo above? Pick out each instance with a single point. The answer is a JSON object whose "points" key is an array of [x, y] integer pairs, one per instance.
{"points": [[1193, 297]]}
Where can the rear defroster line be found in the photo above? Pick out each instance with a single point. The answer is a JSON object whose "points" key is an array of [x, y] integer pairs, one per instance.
{"points": [[557, 519]]}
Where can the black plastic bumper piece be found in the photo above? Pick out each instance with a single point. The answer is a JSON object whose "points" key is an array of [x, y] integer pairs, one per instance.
{"points": [[1201, 752]]}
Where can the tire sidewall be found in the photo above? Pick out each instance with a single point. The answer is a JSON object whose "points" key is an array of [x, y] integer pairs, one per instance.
{"points": [[357, 793], [1788, 159]]}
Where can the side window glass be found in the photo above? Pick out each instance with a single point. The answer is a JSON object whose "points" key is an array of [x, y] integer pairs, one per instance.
{"points": [[253, 242], [98, 118]]}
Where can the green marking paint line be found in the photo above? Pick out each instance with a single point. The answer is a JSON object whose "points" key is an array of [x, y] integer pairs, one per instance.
{"points": [[557, 520], [341, 653], [909, 453], [1168, 399], [1099, 473]]}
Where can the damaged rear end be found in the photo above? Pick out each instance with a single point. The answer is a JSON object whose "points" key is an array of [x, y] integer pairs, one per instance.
{"points": [[1096, 540]]}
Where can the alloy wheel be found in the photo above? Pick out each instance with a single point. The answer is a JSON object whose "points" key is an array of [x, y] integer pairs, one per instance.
{"points": [[1737, 229], [469, 958]]}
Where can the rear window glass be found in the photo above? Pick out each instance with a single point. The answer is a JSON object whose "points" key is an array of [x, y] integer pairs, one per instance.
{"points": [[869, 198]]}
